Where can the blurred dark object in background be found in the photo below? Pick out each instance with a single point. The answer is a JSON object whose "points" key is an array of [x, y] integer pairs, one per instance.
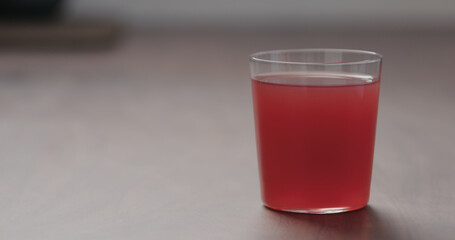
{"points": [[41, 25], [75, 35], [26, 10]]}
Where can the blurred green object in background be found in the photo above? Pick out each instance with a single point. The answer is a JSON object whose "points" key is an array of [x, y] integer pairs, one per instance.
{"points": [[30, 9]]}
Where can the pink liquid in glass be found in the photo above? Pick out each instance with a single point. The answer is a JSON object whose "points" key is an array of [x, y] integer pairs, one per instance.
{"points": [[315, 135]]}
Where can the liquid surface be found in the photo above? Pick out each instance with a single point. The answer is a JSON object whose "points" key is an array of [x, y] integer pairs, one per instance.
{"points": [[315, 79], [315, 141]]}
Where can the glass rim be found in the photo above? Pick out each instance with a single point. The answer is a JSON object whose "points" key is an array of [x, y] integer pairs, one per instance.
{"points": [[255, 57]]}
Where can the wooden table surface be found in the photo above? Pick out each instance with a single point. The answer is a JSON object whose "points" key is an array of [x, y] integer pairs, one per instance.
{"points": [[154, 139]]}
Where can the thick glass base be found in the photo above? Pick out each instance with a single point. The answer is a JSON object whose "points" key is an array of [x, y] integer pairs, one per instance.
{"points": [[318, 210]]}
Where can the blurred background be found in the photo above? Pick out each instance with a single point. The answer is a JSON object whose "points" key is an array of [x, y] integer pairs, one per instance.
{"points": [[327, 14], [130, 119]]}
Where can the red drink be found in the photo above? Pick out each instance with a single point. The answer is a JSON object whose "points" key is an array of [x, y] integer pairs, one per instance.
{"points": [[315, 135]]}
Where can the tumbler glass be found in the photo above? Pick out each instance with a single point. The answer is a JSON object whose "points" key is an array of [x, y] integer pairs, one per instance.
{"points": [[315, 117]]}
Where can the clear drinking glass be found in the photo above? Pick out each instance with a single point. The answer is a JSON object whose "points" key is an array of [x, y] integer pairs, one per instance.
{"points": [[315, 116]]}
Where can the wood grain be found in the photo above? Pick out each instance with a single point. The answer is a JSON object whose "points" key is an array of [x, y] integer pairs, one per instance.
{"points": [[155, 140]]}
